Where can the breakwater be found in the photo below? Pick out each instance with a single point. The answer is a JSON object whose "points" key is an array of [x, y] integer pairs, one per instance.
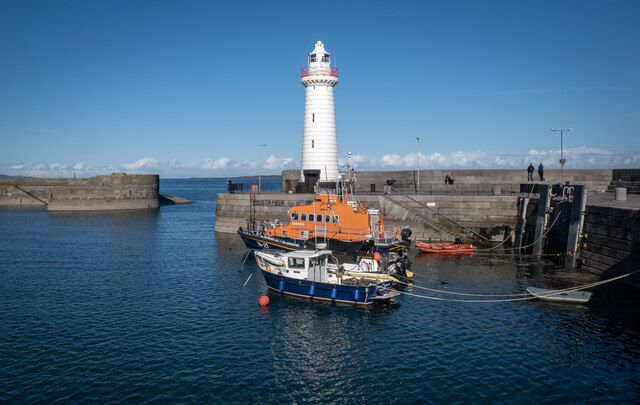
{"points": [[118, 191]]}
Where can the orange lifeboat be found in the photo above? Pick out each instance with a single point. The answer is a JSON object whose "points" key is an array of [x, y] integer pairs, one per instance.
{"points": [[446, 247]]}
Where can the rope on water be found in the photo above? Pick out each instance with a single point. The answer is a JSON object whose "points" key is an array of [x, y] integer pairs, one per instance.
{"points": [[530, 297], [459, 293]]}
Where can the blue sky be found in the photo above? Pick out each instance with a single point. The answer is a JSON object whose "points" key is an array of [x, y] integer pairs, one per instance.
{"points": [[190, 89]]}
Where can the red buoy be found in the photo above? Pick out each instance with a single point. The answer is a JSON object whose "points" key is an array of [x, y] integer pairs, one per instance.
{"points": [[264, 300]]}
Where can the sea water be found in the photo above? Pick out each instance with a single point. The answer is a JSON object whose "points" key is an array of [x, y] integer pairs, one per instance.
{"points": [[152, 306]]}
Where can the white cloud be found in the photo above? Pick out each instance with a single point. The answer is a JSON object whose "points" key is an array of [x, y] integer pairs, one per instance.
{"points": [[580, 157], [273, 162], [145, 163], [215, 164]]}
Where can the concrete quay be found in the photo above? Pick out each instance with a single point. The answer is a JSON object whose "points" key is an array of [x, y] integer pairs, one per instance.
{"points": [[118, 191]]}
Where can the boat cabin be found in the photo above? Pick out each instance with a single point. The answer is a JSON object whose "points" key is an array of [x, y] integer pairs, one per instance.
{"points": [[305, 264], [332, 216]]}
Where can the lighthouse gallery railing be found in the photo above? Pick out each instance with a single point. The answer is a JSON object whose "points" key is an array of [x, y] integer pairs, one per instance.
{"points": [[319, 71]]}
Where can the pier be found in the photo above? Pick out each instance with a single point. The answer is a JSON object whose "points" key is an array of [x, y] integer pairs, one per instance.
{"points": [[118, 191]]}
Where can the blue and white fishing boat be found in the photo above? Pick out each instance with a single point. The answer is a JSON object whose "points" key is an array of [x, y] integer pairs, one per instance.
{"points": [[304, 273]]}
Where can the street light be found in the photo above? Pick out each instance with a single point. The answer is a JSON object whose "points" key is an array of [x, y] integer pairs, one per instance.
{"points": [[562, 160], [418, 182], [260, 168]]}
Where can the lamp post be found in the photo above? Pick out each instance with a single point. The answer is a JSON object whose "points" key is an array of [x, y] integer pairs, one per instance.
{"points": [[260, 168], [418, 181], [562, 160]]}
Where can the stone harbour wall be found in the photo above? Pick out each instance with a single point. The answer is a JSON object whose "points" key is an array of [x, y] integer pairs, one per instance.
{"points": [[111, 192], [482, 213], [432, 181]]}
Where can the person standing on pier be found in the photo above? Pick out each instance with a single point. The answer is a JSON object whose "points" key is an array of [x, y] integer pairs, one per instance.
{"points": [[530, 170], [541, 172]]}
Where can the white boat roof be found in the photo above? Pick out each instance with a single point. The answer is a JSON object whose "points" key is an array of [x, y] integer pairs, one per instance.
{"points": [[308, 253]]}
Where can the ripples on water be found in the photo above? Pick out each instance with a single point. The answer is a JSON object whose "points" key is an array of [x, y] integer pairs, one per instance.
{"points": [[150, 307]]}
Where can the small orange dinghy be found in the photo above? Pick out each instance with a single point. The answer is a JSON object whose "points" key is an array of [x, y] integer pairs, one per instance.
{"points": [[446, 247]]}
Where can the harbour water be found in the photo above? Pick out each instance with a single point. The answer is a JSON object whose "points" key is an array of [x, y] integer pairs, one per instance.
{"points": [[152, 307]]}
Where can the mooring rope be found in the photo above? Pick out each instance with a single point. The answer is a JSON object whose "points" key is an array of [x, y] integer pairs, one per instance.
{"points": [[439, 213], [555, 292]]}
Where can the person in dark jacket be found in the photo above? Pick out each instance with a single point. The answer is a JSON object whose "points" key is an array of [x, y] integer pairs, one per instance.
{"points": [[530, 170], [541, 172]]}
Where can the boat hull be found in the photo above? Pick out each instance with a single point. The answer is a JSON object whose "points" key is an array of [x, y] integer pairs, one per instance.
{"points": [[576, 297], [349, 294], [445, 248], [255, 242]]}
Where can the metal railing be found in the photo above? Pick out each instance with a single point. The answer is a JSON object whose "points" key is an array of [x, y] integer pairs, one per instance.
{"points": [[444, 189], [264, 187], [319, 71]]}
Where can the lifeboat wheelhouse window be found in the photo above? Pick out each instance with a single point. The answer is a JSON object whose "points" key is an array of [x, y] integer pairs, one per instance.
{"points": [[303, 217], [335, 219], [294, 216], [311, 217], [327, 218], [319, 218]]}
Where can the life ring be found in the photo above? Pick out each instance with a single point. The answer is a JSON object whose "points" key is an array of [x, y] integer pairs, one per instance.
{"points": [[395, 233]]}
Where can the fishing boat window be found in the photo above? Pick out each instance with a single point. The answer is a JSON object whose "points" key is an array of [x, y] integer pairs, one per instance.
{"points": [[303, 217], [319, 218], [335, 219], [315, 262], [294, 216], [311, 217], [296, 263]]}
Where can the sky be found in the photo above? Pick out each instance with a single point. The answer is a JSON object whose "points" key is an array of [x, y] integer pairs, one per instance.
{"points": [[192, 88]]}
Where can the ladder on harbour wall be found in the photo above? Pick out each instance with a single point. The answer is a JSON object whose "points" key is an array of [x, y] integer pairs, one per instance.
{"points": [[552, 228]]}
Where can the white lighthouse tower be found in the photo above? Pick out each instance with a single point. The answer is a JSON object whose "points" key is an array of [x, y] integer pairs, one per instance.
{"points": [[319, 139]]}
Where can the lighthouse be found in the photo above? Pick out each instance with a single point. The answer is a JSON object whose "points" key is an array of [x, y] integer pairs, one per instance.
{"points": [[319, 139]]}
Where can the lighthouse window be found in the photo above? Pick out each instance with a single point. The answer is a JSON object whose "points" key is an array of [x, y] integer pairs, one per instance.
{"points": [[303, 217], [312, 143], [312, 58], [325, 58], [294, 216], [313, 117], [310, 217]]}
